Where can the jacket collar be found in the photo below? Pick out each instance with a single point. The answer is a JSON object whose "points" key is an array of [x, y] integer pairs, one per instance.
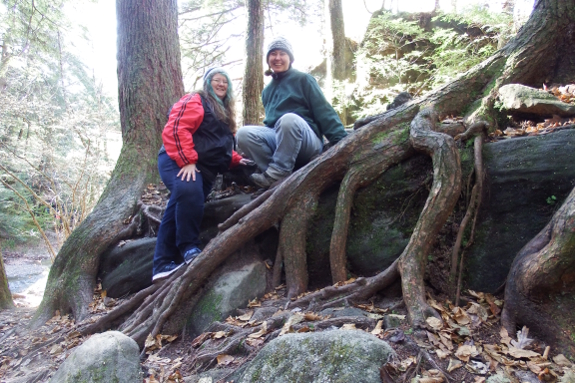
{"points": [[280, 75]]}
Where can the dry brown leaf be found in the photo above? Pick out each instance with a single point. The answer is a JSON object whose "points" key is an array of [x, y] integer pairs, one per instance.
{"points": [[404, 364], [246, 317], [464, 352], [295, 318], [495, 310], [446, 340], [519, 353], [454, 364], [479, 379], [460, 316], [433, 339], [349, 326], [224, 360], [505, 338], [235, 322], [151, 379], [442, 354], [200, 339], [312, 317], [378, 330], [152, 343], [220, 335], [436, 305], [263, 331], [254, 303], [534, 368], [562, 361], [255, 342], [428, 379], [434, 323]]}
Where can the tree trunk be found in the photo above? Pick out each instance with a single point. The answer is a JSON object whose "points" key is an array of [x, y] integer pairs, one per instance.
{"points": [[253, 83], [5, 295], [149, 81], [338, 54]]}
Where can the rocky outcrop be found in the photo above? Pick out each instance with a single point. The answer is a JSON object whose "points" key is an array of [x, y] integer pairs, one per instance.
{"points": [[108, 357], [523, 99], [230, 291], [335, 356]]}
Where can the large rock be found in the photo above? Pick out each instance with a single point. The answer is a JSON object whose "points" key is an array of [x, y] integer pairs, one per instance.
{"points": [[527, 179], [128, 269], [108, 357], [231, 290], [523, 99], [336, 356]]}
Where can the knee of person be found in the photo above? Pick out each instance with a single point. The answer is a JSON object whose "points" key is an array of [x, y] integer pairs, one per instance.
{"points": [[289, 120], [244, 135]]}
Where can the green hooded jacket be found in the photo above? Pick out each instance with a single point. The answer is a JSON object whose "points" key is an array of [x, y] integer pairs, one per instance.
{"points": [[295, 92]]}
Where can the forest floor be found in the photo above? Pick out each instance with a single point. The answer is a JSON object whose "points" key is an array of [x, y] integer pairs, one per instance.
{"points": [[469, 346]]}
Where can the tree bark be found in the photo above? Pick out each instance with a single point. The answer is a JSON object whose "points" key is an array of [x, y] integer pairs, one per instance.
{"points": [[253, 83], [339, 50], [5, 295], [149, 81]]}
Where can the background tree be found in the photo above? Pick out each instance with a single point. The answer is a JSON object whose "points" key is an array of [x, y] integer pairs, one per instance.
{"points": [[146, 91], [253, 82], [339, 52], [5, 295]]}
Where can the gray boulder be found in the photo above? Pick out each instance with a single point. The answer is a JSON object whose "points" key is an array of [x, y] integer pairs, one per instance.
{"points": [[527, 179], [336, 356], [523, 99], [128, 269], [107, 357], [230, 291]]}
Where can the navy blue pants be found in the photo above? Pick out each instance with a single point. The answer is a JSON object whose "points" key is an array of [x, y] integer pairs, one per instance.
{"points": [[180, 227]]}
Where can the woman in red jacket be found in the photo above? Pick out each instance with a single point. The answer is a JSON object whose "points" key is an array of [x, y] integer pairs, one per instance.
{"points": [[198, 144]]}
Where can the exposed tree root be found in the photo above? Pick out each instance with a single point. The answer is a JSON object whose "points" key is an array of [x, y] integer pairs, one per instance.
{"points": [[292, 242], [440, 203], [361, 173], [472, 210], [542, 270]]}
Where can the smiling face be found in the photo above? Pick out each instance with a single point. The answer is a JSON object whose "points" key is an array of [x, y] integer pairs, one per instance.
{"points": [[279, 60], [220, 85]]}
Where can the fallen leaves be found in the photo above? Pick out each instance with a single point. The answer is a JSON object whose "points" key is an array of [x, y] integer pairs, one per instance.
{"points": [[155, 343]]}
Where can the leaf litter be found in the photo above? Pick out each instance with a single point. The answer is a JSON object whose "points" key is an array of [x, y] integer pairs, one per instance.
{"points": [[466, 344]]}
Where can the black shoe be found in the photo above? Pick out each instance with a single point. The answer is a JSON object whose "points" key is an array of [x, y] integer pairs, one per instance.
{"points": [[166, 271], [263, 180], [191, 255]]}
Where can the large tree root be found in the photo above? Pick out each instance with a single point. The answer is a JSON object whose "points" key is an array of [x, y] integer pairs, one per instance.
{"points": [[542, 272], [440, 203]]}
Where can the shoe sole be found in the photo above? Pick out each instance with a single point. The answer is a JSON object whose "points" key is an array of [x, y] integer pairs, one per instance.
{"points": [[165, 274]]}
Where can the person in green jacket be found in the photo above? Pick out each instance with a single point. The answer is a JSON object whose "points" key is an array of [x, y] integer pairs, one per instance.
{"points": [[298, 117]]}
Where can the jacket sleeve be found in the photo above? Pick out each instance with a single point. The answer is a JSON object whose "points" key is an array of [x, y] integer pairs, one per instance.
{"points": [[184, 119], [324, 115], [236, 157]]}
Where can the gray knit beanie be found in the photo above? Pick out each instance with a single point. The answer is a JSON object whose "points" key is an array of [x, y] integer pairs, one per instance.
{"points": [[283, 44]]}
